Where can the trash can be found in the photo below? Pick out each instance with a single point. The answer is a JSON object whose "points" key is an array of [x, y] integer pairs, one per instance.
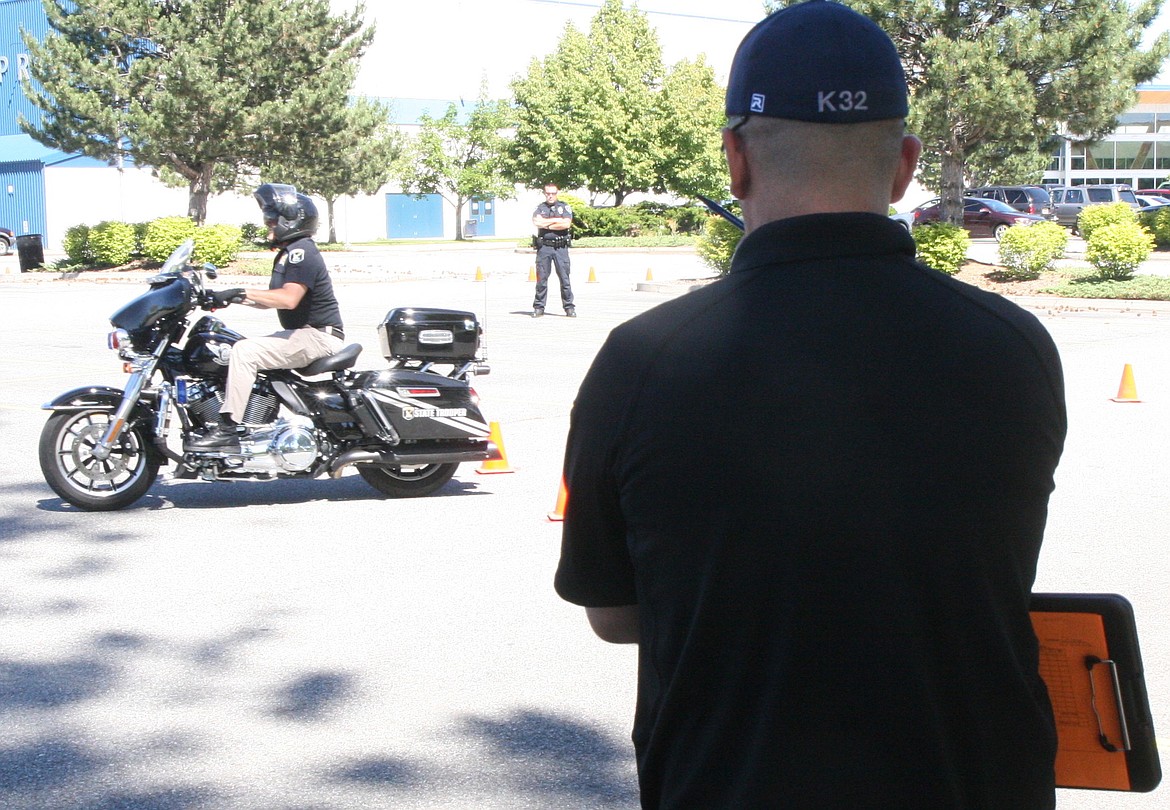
{"points": [[469, 228], [31, 251]]}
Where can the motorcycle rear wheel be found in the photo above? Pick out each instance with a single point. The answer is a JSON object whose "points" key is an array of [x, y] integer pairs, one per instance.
{"points": [[74, 473], [407, 482]]}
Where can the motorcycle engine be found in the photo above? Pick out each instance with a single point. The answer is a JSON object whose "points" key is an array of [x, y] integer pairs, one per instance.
{"points": [[203, 400], [287, 445]]}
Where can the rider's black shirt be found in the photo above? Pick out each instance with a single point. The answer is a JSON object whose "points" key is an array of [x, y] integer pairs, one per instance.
{"points": [[301, 262]]}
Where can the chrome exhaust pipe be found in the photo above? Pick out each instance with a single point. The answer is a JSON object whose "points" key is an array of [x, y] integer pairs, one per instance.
{"points": [[391, 458]]}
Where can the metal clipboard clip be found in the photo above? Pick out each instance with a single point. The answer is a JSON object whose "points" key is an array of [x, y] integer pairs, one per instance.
{"points": [[1092, 661]]}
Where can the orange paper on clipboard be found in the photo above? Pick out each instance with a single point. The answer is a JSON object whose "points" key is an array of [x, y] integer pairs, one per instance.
{"points": [[1088, 719]]}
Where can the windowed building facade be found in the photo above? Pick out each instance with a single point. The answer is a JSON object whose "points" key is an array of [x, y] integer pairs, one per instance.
{"points": [[1137, 153]]}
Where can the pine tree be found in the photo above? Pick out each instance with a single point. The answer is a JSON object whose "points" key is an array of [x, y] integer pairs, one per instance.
{"points": [[999, 79], [358, 154], [204, 88]]}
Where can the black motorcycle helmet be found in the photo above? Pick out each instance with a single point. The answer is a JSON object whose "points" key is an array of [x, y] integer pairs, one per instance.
{"points": [[290, 214]]}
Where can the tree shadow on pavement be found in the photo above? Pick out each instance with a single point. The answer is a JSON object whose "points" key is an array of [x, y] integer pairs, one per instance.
{"points": [[570, 762]]}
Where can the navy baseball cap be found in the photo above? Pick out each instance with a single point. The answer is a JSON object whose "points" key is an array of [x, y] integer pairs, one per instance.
{"points": [[817, 61]]}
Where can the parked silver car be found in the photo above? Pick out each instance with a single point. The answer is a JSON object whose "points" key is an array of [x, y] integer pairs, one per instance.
{"points": [[1069, 201]]}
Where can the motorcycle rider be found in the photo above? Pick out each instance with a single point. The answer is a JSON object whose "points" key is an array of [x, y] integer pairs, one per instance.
{"points": [[302, 293]]}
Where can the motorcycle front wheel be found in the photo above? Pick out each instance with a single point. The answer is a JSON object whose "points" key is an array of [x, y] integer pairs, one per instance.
{"points": [[407, 482], [74, 473]]}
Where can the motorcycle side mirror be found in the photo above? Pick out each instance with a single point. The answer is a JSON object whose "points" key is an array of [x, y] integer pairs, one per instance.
{"points": [[210, 271]]}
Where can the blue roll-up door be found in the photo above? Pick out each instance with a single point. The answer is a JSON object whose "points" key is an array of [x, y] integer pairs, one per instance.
{"points": [[409, 217], [22, 197]]}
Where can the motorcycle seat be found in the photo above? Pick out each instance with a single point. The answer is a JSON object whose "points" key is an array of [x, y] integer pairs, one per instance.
{"points": [[337, 361]]}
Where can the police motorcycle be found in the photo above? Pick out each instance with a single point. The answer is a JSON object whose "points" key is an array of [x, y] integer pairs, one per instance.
{"points": [[405, 429]]}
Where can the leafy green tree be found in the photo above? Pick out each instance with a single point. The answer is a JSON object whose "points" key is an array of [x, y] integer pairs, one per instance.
{"points": [[997, 79], [602, 112], [460, 161], [359, 157], [691, 107], [202, 88]]}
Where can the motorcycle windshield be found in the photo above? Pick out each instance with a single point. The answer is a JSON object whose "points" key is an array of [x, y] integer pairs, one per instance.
{"points": [[155, 303]]}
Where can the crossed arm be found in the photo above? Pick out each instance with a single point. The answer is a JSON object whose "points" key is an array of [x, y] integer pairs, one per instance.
{"points": [[553, 223]]}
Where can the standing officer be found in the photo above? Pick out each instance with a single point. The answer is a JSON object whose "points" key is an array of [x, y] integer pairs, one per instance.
{"points": [[552, 219], [302, 293]]}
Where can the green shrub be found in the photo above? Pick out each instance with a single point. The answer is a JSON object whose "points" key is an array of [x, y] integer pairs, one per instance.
{"points": [[1157, 222], [689, 218], [253, 235], [112, 243], [76, 244], [139, 236], [942, 246], [678, 240], [1115, 251], [164, 235], [1093, 217], [617, 221], [1028, 251], [578, 205], [217, 244], [717, 244]]}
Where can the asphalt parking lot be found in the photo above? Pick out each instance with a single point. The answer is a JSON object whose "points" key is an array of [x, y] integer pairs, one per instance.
{"points": [[313, 645]]}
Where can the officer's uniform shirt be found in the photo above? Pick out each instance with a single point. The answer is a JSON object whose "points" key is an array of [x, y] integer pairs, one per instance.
{"points": [[557, 210], [301, 262]]}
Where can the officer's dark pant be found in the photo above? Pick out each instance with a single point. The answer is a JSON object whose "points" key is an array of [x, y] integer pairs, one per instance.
{"points": [[546, 255]]}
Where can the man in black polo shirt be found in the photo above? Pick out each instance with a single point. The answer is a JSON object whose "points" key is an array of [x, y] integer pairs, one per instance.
{"points": [[814, 491], [301, 292]]}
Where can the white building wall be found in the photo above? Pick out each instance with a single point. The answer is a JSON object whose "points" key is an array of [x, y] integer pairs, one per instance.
{"points": [[87, 196], [91, 195]]}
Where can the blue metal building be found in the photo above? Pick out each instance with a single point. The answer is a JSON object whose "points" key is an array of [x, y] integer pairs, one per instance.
{"points": [[22, 159]]}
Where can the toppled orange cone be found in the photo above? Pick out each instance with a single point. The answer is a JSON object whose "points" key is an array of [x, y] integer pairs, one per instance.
{"points": [[558, 513], [1127, 392], [496, 465]]}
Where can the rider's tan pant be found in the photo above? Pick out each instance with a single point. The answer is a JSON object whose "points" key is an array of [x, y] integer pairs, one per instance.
{"points": [[291, 348]]}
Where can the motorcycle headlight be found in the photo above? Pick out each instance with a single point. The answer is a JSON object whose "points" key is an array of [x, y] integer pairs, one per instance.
{"points": [[118, 339]]}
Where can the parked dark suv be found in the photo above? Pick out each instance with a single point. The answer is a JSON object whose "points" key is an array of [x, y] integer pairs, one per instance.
{"points": [[7, 240], [1028, 199]]}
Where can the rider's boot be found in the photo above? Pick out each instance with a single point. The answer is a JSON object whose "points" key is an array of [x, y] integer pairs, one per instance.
{"points": [[224, 436]]}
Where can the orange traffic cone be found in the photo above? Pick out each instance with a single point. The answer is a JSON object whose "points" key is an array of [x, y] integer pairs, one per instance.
{"points": [[479, 274], [532, 273], [592, 277], [649, 274], [558, 512], [496, 465], [1128, 391]]}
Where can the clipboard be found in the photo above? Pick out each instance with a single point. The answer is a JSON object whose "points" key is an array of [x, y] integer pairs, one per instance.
{"points": [[1092, 666]]}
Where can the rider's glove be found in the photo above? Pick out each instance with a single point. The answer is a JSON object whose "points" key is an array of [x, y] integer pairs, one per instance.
{"points": [[222, 298]]}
